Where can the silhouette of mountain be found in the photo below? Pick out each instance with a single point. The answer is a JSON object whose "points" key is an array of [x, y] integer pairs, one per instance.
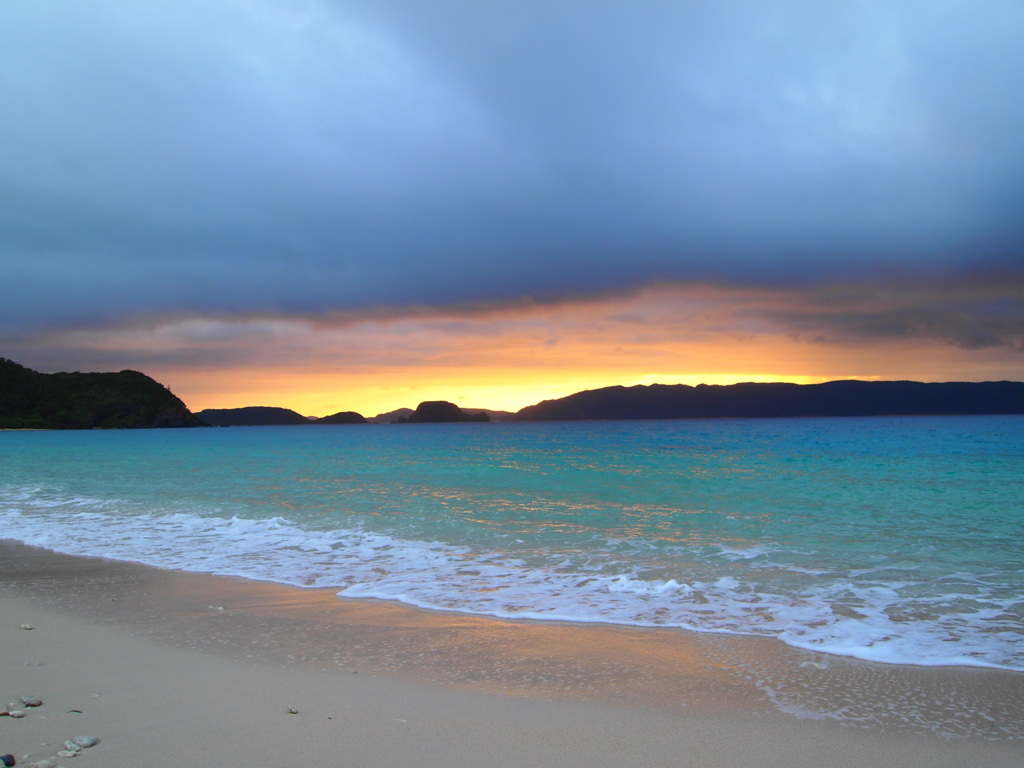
{"points": [[392, 417], [129, 399], [401, 415], [252, 416], [836, 398], [343, 417], [441, 411]]}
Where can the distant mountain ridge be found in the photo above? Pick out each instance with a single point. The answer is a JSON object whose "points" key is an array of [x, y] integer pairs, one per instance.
{"points": [[755, 400], [33, 400], [401, 415], [392, 417], [251, 416], [129, 399], [272, 416], [437, 411]]}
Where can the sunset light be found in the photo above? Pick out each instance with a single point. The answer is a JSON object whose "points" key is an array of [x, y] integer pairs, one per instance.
{"points": [[741, 284], [323, 209], [505, 357]]}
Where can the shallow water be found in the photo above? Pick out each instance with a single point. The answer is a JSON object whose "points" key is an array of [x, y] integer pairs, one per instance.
{"points": [[889, 539]]}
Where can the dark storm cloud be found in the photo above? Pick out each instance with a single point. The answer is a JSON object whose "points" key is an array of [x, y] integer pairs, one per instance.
{"points": [[977, 313], [251, 156]]}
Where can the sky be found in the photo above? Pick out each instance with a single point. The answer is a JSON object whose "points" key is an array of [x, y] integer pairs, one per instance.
{"points": [[334, 205]]}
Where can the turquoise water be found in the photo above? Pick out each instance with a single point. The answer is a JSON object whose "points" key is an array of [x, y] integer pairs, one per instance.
{"points": [[890, 539]]}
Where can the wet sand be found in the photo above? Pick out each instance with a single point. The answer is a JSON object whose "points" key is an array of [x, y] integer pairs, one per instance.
{"points": [[165, 665]]}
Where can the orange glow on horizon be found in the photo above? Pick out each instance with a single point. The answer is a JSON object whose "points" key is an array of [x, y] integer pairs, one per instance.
{"points": [[509, 357], [321, 395]]}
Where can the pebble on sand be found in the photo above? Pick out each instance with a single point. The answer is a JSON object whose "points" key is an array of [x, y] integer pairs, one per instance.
{"points": [[31, 701], [27, 626], [86, 741]]}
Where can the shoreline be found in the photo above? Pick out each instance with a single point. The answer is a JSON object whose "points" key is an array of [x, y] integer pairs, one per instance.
{"points": [[551, 689]]}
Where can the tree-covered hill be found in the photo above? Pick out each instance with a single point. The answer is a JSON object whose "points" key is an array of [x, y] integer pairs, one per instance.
{"points": [[33, 400]]}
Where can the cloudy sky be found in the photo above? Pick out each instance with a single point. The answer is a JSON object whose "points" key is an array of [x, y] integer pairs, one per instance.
{"points": [[358, 205]]}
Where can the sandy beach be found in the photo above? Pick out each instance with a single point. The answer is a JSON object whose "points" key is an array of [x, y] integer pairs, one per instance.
{"points": [[169, 667]]}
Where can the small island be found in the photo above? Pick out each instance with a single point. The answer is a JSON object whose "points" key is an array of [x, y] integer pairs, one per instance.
{"points": [[441, 412]]}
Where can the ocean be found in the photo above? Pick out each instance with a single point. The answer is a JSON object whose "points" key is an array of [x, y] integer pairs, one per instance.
{"points": [[896, 540]]}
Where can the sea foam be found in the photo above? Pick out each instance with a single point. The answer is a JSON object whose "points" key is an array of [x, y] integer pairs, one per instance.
{"points": [[969, 623]]}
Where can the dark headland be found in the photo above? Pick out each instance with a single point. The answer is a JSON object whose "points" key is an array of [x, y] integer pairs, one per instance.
{"points": [[33, 400]]}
